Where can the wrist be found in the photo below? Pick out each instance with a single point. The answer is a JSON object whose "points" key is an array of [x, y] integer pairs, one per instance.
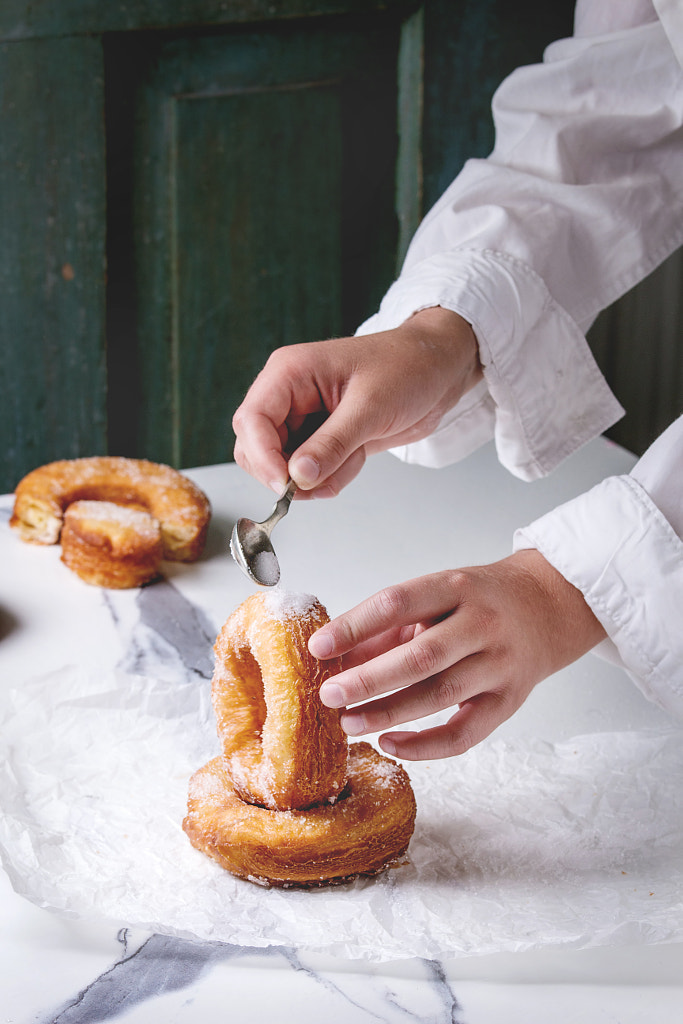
{"points": [[452, 339], [568, 619]]}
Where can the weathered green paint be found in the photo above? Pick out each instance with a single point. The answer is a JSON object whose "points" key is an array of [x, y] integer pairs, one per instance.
{"points": [[52, 249], [637, 343], [257, 246], [240, 180], [470, 46], [263, 213], [25, 19], [409, 188], [245, 200]]}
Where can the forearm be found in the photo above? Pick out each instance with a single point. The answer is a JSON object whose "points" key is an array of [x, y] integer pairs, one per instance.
{"points": [[580, 199]]}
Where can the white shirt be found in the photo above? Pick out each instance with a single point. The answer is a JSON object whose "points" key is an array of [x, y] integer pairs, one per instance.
{"points": [[580, 199]]}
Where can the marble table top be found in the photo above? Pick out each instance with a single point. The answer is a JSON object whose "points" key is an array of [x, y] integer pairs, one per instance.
{"points": [[394, 522]]}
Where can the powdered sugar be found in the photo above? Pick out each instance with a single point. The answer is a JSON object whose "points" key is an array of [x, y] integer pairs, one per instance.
{"points": [[266, 568], [110, 515], [284, 604], [109, 511], [205, 786], [383, 772]]}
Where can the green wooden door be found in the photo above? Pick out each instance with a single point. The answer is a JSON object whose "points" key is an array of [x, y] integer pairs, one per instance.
{"points": [[187, 184], [261, 166], [183, 187], [52, 253]]}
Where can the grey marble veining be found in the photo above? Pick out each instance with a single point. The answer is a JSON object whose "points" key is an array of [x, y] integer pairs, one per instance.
{"points": [[161, 965], [57, 970], [163, 632], [168, 627], [167, 633]]}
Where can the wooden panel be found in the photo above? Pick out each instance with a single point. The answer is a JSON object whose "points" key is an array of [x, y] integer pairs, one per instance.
{"points": [[263, 170], [409, 170], [638, 343], [470, 46], [241, 284], [52, 202], [24, 19]]}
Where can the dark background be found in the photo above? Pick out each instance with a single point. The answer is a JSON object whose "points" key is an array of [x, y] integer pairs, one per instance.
{"points": [[186, 185]]}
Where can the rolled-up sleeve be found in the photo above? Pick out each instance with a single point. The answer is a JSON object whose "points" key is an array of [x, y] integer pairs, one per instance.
{"points": [[581, 198], [621, 544]]}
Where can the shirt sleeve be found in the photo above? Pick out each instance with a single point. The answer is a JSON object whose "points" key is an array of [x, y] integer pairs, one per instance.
{"points": [[581, 198], [621, 544]]}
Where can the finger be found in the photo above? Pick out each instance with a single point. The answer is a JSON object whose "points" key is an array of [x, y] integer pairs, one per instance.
{"points": [[335, 444], [332, 486], [419, 659], [276, 403], [472, 723], [420, 600], [427, 697], [379, 645], [258, 450]]}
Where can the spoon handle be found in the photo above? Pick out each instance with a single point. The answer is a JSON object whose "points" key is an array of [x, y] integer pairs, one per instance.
{"points": [[281, 507]]}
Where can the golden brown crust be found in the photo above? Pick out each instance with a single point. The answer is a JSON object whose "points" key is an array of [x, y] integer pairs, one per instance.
{"points": [[366, 830], [182, 509], [283, 748], [111, 545], [289, 803]]}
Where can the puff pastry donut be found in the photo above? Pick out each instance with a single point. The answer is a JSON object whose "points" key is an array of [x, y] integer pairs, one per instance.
{"points": [[289, 803], [109, 545], [283, 748], [181, 509], [367, 830]]}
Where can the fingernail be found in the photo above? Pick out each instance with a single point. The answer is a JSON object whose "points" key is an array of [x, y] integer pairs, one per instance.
{"points": [[304, 470], [331, 695], [321, 646], [278, 486], [388, 746], [353, 724]]}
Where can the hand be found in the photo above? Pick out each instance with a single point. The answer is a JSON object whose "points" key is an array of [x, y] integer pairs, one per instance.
{"points": [[480, 638], [373, 392]]}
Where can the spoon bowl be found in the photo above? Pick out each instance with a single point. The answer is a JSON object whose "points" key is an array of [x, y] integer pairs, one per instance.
{"points": [[251, 547]]}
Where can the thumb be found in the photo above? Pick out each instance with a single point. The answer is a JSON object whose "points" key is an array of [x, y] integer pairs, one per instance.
{"points": [[333, 444]]}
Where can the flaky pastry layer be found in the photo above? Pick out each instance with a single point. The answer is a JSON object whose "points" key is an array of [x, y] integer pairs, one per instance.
{"points": [[111, 545], [283, 748], [182, 509], [366, 830]]}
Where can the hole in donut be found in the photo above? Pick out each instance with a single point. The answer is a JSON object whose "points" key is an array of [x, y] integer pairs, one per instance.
{"points": [[294, 812], [252, 679], [343, 795]]}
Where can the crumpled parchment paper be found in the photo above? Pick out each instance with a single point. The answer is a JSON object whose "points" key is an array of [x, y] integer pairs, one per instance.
{"points": [[518, 845]]}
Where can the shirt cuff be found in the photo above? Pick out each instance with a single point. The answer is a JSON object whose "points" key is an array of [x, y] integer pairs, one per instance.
{"points": [[614, 544], [545, 397]]}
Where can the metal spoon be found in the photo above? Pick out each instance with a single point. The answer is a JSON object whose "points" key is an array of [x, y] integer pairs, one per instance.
{"points": [[250, 543]]}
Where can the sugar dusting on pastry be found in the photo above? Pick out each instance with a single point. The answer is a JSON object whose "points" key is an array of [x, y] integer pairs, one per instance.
{"points": [[285, 604], [289, 802], [110, 512], [266, 680], [182, 509]]}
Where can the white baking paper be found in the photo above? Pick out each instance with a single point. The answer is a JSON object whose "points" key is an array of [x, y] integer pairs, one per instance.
{"points": [[518, 845]]}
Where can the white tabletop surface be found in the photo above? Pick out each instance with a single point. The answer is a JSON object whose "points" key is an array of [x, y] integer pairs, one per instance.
{"points": [[392, 523]]}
